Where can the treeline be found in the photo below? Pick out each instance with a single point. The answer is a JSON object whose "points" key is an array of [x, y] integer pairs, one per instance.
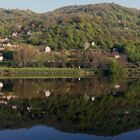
{"points": [[71, 27], [28, 56]]}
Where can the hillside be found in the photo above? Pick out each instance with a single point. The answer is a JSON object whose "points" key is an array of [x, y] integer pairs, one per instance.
{"points": [[85, 27], [92, 35]]}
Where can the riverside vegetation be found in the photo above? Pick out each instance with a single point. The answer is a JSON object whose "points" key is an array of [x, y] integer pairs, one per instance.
{"points": [[101, 37]]}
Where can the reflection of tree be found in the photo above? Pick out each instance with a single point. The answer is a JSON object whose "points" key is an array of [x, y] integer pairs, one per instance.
{"points": [[108, 115], [25, 88]]}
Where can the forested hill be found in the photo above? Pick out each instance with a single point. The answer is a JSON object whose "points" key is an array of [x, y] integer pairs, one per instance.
{"points": [[73, 27]]}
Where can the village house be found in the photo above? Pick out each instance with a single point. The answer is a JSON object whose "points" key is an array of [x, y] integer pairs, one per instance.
{"points": [[115, 53], [86, 45], [14, 34], [47, 49], [117, 56], [93, 44], [3, 102], [2, 47], [29, 33], [8, 46], [2, 39]]}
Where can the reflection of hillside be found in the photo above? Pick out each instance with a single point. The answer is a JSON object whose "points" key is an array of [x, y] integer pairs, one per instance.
{"points": [[107, 115], [37, 88]]}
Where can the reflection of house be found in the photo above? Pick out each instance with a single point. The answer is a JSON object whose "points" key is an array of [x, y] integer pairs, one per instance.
{"points": [[14, 107], [93, 98], [1, 85], [47, 93], [86, 97], [3, 102], [1, 57], [8, 97], [29, 109], [11, 97]]}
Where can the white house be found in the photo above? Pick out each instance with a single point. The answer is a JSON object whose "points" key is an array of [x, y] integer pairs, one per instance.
{"points": [[126, 28], [93, 44], [29, 33], [47, 49], [3, 102], [117, 56], [2, 40], [93, 98], [86, 45], [9, 45], [15, 34], [117, 86]]}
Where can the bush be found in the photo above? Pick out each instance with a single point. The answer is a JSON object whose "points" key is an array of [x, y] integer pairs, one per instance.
{"points": [[114, 67]]}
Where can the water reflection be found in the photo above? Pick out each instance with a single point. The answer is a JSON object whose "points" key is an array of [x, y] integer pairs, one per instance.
{"points": [[99, 106], [24, 88]]}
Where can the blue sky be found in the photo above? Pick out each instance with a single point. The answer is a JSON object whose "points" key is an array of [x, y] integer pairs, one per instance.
{"points": [[49, 5]]}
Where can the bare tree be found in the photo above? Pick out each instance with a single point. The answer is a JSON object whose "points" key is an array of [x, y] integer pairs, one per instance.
{"points": [[24, 55]]}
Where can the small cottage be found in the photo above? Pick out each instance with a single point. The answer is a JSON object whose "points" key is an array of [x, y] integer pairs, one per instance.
{"points": [[29, 33], [117, 56], [93, 44], [47, 49], [86, 45], [15, 34], [117, 86], [8, 45], [2, 40]]}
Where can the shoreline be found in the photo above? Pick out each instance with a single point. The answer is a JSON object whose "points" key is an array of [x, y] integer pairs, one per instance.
{"points": [[44, 72]]}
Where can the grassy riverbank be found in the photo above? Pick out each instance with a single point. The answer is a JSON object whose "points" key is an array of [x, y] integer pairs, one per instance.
{"points": [[44, 72]]}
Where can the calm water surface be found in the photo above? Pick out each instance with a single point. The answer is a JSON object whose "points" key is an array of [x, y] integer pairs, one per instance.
{"points": [[74, 109]]}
